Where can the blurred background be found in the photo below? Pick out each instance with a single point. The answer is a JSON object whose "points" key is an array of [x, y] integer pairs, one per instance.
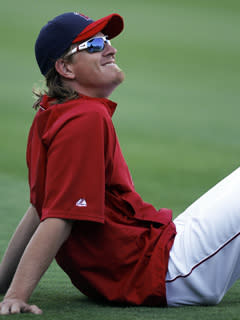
{"points": [[178, 109]]}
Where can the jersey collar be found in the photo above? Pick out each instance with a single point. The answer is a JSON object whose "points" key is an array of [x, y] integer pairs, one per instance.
{"points": [[47, 102]]}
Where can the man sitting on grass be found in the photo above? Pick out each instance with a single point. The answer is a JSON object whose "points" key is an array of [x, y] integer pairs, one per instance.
{"points": [[84, 209]]}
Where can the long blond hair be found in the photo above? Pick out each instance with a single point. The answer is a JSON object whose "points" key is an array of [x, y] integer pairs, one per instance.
{"points": [[55, 88]]}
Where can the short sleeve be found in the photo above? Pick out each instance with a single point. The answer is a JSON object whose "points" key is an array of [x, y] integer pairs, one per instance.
{"points": [[75, 169]]}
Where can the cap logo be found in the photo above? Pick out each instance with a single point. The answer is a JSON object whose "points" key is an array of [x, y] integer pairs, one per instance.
{"points": [[82, 15]]}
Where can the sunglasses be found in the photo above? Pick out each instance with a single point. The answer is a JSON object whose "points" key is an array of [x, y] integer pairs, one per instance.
{"points": [[92, 45]]}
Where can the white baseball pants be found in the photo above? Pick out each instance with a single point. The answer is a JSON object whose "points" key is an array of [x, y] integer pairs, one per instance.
{"points": [[204, 261]]}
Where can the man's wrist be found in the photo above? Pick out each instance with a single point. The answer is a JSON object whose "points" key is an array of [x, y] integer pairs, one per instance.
{"points": [[15, 295]]}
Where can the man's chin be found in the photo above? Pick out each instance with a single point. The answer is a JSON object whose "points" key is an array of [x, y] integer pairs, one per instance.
{"points": [[120, 76]]}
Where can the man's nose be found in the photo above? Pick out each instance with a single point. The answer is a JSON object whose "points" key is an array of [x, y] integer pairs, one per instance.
{"points": [[109, 49]]}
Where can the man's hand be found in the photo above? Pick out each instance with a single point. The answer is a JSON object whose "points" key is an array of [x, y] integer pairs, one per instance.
{"points": [[13, 306]]}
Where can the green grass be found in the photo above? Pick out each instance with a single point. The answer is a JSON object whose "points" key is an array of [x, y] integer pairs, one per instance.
{"points": [[177, 120]]}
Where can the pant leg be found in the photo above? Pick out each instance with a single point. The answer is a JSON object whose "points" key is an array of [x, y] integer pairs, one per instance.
{"points": [[204, 259]]}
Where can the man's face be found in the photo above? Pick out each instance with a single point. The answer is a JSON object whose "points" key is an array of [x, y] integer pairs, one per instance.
{"points": [[97, 72]]}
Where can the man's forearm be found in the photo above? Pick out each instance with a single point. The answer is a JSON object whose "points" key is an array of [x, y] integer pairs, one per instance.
{"points": [[16, 247], [37, 257]]}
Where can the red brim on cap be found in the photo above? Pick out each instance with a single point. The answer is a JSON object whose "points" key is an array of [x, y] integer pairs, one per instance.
{"points": [[110, 25]]}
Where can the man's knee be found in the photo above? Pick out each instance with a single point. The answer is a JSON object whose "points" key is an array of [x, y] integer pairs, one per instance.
{"points": [[213, 299]]}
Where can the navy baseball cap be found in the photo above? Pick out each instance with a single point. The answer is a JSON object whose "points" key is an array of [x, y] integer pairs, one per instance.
{"points": [[68, 28]]}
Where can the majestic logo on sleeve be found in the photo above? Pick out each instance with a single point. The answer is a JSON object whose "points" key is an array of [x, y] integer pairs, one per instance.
{"points": [[81, 203]]}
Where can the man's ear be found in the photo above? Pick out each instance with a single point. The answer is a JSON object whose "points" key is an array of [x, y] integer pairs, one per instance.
{"points": [[64, 69]]}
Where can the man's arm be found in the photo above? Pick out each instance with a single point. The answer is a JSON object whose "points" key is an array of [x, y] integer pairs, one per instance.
{"points": [[41, 250], [16, 247]]}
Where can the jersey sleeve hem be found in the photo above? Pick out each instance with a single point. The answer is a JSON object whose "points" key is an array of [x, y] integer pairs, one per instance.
{"points": [[62, 215]]}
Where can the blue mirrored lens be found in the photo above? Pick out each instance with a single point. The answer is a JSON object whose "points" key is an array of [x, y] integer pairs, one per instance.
{"points": [[95, 45]]}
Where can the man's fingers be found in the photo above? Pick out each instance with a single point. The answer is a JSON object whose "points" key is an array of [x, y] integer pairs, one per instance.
{"points": [[15, 308], [4, 308], [34, 309], [18, 306]]}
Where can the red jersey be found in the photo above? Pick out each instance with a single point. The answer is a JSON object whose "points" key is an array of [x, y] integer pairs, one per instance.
{"points": [[119, 245]]}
